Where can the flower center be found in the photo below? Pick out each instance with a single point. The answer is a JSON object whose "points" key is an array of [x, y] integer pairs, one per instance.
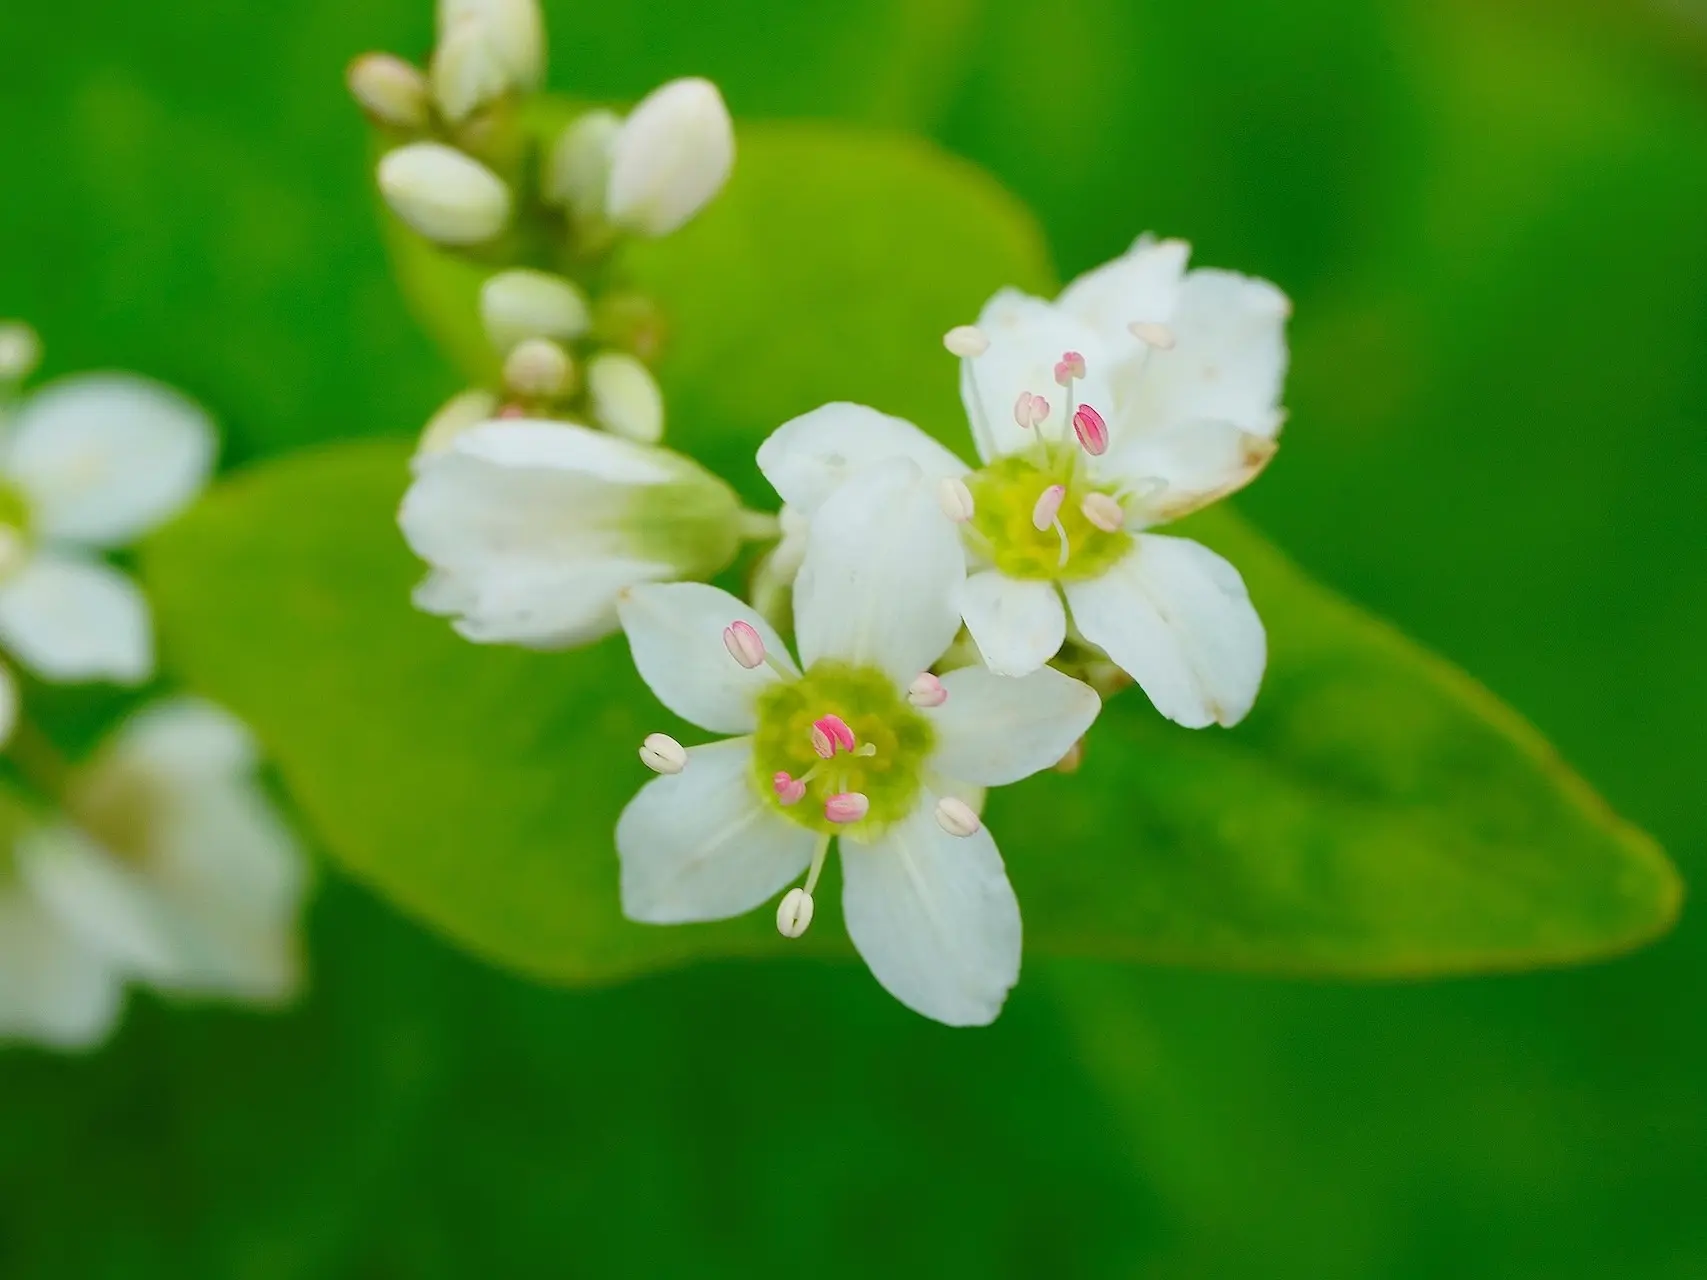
{"points": [[840, 747], [1010, 499]]}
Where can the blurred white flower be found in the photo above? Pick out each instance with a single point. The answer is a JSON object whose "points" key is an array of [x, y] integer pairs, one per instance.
{"points": [[521, 303], [848, 748], [577, 172], [625, 397], [390, 90], [463, 410], [671, 156], [167, 865], [445, 195], [486, 49], [532, 528], [88, 463], [1141, 395]]}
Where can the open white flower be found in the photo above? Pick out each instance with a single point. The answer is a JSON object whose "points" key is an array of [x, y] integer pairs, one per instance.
{"points": [[168, 865], [532, 528], [1141, 395], [89, 463], [860, 742]]}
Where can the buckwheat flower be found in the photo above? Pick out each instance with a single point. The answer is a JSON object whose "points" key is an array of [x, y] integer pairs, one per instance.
{"points": [[856, 743], [532, 528], [1141, 395], [671, 156], [168, 865], [90, 463]]}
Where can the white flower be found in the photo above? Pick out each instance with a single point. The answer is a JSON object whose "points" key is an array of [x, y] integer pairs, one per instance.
{"points": [[168, 865], [671, 156], [1091, 436], [445, 195], [850, 744], [89, 463], [532, 528], [486, 49]]}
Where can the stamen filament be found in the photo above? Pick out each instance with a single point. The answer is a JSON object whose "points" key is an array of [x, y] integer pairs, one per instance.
{"points": [[818, 855]]}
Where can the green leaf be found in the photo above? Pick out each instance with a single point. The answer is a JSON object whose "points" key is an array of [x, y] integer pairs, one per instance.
{"points": [[1377, 814]]}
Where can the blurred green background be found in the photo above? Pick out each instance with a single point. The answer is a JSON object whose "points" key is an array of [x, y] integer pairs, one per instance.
{"points": [[1492, 217]]}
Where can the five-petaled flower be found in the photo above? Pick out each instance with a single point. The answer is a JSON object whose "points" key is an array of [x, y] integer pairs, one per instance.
{"points": [[859, 742], [1142, 394]]}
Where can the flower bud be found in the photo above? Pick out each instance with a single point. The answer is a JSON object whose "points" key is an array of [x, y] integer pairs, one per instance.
{"points": [[486, 49], [794, 913], [443, 194], [20, 351], [578, 169], [521, 304], [458, 414], [663, 754], [671, 157], [390, 90], [539, 369], [625, 398]]}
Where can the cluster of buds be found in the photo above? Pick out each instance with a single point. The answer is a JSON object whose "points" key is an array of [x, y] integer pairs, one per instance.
{"points": [[466, 164]]}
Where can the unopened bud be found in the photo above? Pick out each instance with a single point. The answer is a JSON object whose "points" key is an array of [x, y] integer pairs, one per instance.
{"points": [[745, 645], [966, 341], [663, 754], [20, 351], [927, 691], [672, 155], [486, 48], [390, 90], [847, 806], [794, 913], [539, 369], [625, 398], [956, 817], [522, 303], [444, 194], [458, 414], [578, 169], [955, 499]]}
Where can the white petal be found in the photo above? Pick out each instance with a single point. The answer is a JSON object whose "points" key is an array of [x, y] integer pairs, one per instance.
{"points": [[588, 455], [1018, 624], [106, 457], [703, 845], [675, 631], [806, 458], [70, 619], [1228, 360], [1176, 617], [1027, 337], [545, 606], [1197, 463], [53, 988], [187, 739], [8, 704], [935, 918], [881, 582], [1141, 285], [994, 730]]}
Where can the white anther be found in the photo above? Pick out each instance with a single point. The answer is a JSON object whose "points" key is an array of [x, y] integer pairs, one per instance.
{"points": [[663, 754], [1152, 334], [794, 913], [956, 817], [1048, 507], [966, 341], [955, 499], [1103, 511]]}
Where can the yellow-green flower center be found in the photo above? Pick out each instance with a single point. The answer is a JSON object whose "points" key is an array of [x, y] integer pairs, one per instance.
{"points": [[886, 766], [1004, 498]]}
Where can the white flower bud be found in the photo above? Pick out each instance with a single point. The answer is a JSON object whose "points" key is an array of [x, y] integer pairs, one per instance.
{"points": [[462, 411], [390, 90], [521, 304], [794, 913], [578, 170], [486, 49], [20, 351], [672, 156], [663, 754], [625, 398], [443, 194], [957, 817], [539, 368]]}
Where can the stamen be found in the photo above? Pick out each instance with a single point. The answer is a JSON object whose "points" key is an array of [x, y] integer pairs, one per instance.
{"points": [[955, 499], [789, 790], [1152, 334], [846, 806], [1022, 410], [745, 645], [1039, 411], [794, 913], [831, 734], [956, 817], [927, 691], [1092, 431], [663, 754], [966, 341], [1103, 511], [1069, 368], [1048, 507]]}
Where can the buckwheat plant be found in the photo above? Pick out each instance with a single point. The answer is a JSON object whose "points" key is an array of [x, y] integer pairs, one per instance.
{"points": [[1139, 396], [159, 859], [539, 497]]}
